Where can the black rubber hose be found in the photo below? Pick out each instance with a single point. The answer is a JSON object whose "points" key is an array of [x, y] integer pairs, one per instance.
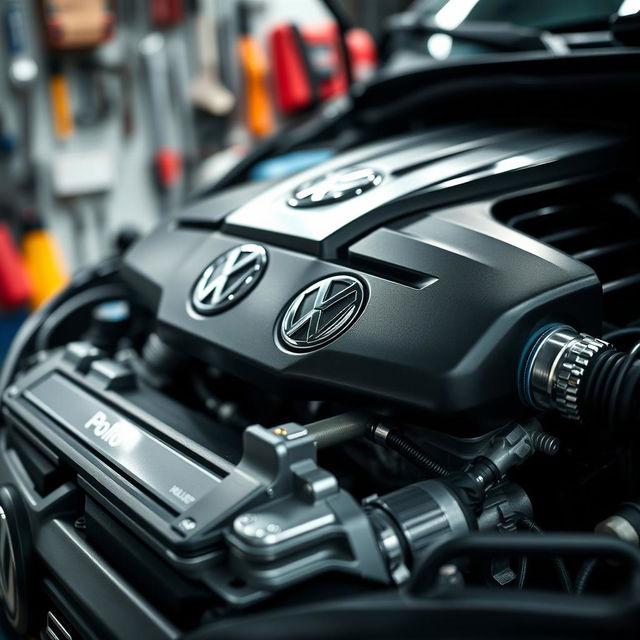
{"points": [[487, 545], [414, 454], [584, 574], [610, 395], [561, 567]]}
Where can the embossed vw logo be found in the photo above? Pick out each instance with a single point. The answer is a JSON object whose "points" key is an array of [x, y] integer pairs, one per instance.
{"points": [[322, 312], [335, 186], [228, 279]]}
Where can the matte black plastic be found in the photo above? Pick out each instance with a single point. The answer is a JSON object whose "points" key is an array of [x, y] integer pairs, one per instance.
{"points": [[453, 294]]}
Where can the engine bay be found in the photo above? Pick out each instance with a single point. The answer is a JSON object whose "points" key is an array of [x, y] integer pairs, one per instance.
{"points": [[381, 378]]}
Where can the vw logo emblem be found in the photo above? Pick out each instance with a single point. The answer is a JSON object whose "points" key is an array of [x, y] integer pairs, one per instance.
{"points": [[322, 312], [335, 186], [15, 539], [228, 279]]}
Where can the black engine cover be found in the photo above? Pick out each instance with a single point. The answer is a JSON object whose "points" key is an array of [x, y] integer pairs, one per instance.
{"points": [[449, 295]]}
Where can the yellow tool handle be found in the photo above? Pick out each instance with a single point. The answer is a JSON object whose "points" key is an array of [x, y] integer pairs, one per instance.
{"points": [[45, 267], [259, 112], [61, 107]]}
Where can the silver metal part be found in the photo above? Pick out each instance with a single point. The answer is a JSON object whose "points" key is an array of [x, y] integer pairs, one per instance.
{"points": [[390, 546], [620, 528], [421, 513], [380, 433], [338, 429], [556, 368], [449, 576]]}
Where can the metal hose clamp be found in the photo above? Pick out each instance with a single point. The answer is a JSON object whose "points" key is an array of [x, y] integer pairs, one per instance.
{"points": [[554, 366]]}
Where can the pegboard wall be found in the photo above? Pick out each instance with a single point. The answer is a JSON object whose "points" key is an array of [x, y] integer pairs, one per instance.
{"points": [[85, 225]]}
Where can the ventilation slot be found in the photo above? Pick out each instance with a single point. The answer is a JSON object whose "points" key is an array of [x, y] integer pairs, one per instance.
{"points": [[602, 232]]}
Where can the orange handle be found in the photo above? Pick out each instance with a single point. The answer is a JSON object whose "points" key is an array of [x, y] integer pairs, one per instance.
{"points": [[43, 262], [259, 111], [61, 107]]}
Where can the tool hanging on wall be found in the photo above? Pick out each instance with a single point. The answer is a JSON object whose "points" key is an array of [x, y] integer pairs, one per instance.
{"points": [[207, 91], [169, 15], [166, 13], [309, 65], [61, 109], [259, 117], [40, 264], [94, 105], [78, 25], [23, 74], [82, 180], [180, 82], [167, 159], [72, 27], [42, 258], [15, 287]]}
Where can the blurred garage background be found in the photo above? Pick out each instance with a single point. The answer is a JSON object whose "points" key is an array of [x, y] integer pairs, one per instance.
{"points": [[113, 113]]}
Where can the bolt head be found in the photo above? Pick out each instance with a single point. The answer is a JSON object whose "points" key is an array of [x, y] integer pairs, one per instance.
{"points": [[188, 524]]}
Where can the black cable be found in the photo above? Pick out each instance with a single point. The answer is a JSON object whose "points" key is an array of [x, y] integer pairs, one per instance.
{"points": [[414, 454], [522, 572], [620, 333], [584, 574], [72, 306], [561, 568]]}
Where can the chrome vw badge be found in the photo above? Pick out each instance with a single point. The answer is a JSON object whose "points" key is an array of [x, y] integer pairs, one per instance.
{"points": [[322, 312], [334, 186], [228, 279]]}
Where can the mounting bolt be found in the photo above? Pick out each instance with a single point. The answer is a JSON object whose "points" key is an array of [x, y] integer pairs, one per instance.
{"points": [[188, 524], [450, 576]]}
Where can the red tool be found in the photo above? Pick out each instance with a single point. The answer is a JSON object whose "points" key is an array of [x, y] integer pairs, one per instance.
{"points": [[308, 63], [167, 158], [166, 13], [15, 288]]}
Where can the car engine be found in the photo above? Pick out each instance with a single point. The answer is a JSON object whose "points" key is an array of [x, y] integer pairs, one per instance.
{"points": [[372, 383]]}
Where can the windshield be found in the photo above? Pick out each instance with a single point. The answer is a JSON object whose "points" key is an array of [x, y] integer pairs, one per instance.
{"points": [[480, 27], [543, 14]]}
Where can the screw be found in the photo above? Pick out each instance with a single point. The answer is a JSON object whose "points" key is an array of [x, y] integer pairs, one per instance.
{"points": [[188, 524], [450, 576], [280, 431], [12, 391]]}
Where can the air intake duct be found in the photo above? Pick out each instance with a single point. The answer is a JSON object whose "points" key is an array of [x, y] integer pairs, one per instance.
{"points": [[581, 377]]}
